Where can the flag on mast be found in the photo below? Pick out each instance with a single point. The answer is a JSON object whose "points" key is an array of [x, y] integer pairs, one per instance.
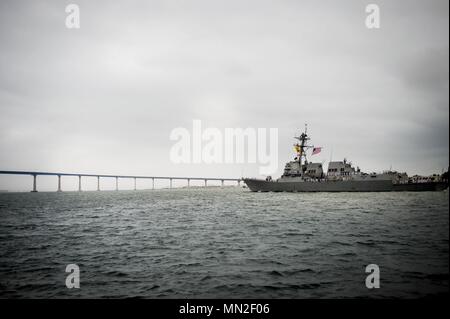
{"points": [[316, 150]]}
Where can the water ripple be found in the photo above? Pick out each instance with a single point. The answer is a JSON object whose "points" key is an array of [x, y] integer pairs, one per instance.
{"points": [[218, 243]]}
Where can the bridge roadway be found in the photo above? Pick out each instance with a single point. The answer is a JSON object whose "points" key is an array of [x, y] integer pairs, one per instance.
{"points": [[135, 177]]}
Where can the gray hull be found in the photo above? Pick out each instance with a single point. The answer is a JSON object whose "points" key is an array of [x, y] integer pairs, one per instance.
{"points": [[257, 185]]}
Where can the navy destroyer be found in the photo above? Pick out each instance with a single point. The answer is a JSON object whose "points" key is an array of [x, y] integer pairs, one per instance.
{"points": [[303, 176]]}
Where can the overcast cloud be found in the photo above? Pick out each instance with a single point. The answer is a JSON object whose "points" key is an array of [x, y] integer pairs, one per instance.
{"points": [[104, 98]]}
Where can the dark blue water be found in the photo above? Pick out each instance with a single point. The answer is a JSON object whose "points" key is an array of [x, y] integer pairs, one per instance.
{"points": [[210, 243]]}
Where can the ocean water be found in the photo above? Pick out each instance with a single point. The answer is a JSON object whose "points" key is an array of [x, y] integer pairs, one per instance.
{"points": [[223, 243]]}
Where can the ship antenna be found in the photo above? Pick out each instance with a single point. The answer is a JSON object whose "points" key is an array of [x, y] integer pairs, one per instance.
{"points": [[303, 138]]}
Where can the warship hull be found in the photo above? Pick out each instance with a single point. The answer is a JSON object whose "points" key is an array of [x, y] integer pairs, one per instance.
{"points": [[257, 185]]}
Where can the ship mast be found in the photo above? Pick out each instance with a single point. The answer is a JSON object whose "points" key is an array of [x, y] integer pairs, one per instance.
{"points": [[303, 138]]}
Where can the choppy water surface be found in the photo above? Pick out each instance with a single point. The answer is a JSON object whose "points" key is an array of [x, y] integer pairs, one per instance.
{"points": [[223, 243]]}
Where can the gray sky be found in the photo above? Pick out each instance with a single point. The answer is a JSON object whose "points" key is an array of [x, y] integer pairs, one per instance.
{"points": [[104, 98]]}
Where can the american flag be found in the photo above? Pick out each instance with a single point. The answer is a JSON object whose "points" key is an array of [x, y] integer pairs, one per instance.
{"points": [[316, 150]]}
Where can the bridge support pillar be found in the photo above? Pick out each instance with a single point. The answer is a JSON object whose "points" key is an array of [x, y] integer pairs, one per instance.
{"points": [[222, 183], [189, 182], [239, 183], [79, 183], [206, 182], [59, 184], [153, 183], [117, 183], [170, 183], [98, 183], [135, 183], [34, 184]]}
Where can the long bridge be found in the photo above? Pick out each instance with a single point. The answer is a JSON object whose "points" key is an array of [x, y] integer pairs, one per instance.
{"points": [[117, 177]]}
